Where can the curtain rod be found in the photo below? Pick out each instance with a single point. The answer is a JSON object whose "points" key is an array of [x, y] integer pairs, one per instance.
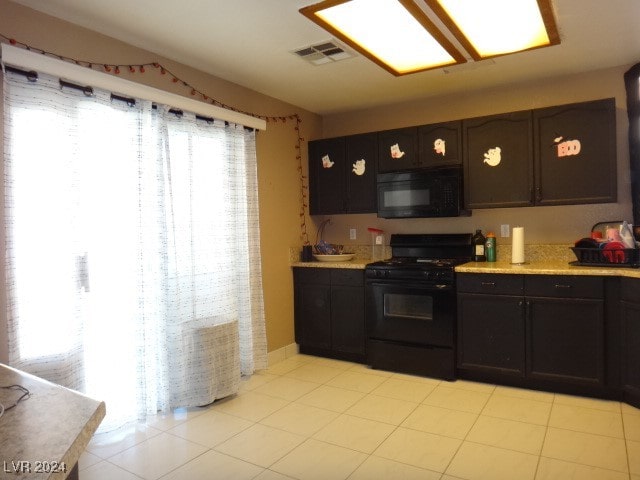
{"points": [[31, 75], [21, 58]]}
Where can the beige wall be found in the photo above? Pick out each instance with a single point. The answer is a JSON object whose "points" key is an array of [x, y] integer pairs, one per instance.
{"points": [[278, 178], [557, 224]]}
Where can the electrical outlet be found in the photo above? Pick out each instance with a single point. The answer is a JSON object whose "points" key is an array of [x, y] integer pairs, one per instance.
{"points": [[504, 230], [352, 234]]}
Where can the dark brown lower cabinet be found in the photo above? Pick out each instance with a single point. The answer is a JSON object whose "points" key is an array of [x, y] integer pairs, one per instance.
{"points": [[565, 340], [491, 333], [329, 312], [347, 319], [540, 331], [630, 313], [313, 313]]}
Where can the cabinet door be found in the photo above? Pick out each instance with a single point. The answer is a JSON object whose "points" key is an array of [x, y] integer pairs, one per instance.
{"points": [[631, 351], [327, 165], [361, 165], [440, 144], [498, 161], [576, 153], [565, 340], [347, 319], [315, 315], [491, 333], [630, 339], [312, 315], [398, 150]]}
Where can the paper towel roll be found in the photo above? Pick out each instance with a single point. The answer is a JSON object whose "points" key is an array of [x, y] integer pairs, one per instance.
{"points": [[517, 245]]}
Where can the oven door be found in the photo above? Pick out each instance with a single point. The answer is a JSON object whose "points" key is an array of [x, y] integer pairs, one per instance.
{"points": [[411, 313]]}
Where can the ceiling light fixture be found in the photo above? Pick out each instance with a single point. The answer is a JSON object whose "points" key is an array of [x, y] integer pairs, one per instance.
{"points": [[395, 34], [489, 28], [400, 36]]}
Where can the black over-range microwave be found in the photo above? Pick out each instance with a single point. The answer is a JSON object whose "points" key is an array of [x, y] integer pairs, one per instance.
{"points": [[433, 192]]}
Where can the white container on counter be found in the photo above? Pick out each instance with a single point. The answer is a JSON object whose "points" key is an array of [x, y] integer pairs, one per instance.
{"points": [[377, 244], [517, 245]]}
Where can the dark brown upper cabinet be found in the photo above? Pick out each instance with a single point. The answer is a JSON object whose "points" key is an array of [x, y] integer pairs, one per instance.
{"points": [[327, 164], [426, 146], [398, 150], [342, 175], [559, 155], [362, 159], [498, 160], [575, 153], [440, 144]]}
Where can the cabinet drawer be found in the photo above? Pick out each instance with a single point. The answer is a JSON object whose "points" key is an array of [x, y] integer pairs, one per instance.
{"points": [[312, 275], [566, 286], [630, 289], [346, 276], [490, 283]]}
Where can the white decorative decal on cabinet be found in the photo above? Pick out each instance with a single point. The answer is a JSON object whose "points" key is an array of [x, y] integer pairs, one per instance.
{"points": [[567, 148], [396, 152], [326, 162], [493, 156], [359, 167], [439, 146]]}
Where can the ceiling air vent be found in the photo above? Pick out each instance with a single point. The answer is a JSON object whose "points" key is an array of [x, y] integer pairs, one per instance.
{"points": [[322, 53]]}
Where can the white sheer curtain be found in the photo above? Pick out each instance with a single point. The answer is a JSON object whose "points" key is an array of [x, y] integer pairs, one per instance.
{"points": [[133, 268]]}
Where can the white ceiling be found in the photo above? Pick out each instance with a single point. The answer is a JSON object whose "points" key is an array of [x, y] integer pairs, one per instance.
{"points": [[249, 42]]}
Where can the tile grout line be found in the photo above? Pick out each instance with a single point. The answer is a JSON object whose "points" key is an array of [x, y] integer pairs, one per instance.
{"points": [[367, 455], [166, 474], [626, 444], [546, 432], [588, 433], [467, 434], [310, 437]]}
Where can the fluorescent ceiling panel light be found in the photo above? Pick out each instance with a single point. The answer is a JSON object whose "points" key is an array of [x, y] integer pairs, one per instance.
{"points": [[396, 34], [488, 28]]}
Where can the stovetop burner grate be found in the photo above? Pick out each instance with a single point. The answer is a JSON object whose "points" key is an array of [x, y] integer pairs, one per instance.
{"points": [[399, 262]]}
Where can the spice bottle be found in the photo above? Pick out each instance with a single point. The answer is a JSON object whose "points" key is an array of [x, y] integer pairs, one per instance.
{"points": [[478, 242], [490, 247]]}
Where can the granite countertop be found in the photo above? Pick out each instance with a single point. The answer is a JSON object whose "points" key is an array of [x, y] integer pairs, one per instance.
{"points": [[541, 260], [356, 263], [546, 267], [50, 428], [359, 262]]}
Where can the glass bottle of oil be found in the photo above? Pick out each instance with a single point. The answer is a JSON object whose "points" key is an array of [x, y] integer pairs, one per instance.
{"points": [[478, 242]]}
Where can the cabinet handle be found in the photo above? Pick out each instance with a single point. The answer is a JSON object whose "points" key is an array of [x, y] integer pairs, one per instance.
{"points": [[488, 284], [559, 285]]}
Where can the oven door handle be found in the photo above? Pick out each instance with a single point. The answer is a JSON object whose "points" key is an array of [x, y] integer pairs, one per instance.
{"points": [[414, 286]]}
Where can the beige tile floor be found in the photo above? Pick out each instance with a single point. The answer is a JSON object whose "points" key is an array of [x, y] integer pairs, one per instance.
{"points": [[315, 418]]}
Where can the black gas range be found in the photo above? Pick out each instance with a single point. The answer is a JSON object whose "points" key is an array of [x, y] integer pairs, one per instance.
{"points": [[411, 304]]}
